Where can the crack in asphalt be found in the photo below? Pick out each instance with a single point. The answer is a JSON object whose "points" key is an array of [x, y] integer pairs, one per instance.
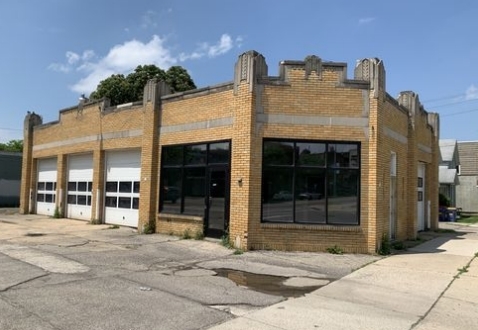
{"points": [[23, 282]]}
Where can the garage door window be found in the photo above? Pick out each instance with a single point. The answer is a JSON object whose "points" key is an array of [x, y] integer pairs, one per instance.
{"points": [[122, 194], [46, 192], [79, 192]]}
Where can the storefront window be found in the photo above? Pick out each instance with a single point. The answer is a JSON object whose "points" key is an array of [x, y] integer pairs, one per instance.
{"points": [[310, 182]]}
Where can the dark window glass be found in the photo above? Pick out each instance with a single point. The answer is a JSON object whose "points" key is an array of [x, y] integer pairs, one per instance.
{"points": [[342, 193], [311, 154], [343, 155], [89, 200], [172, 156], [71, 186], [40, 197], [41, 186], [194, 193], [49, 186], [135, 203], [71, 199], [54, 186], [196, 154], [81, 200], [171, 190], [277, 195], [49, 198], [124, 202], [219, 153], [310, 192], [90, 186], [125, 186], [311, 182], [278, 153], [136, 187], [110, 201], [111, 186], [82, 186]]}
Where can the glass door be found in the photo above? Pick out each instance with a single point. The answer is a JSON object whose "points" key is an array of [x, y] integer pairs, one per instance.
{"points": [[217, 202]]}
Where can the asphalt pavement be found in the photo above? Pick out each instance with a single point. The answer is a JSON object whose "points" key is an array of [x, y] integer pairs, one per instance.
{"points": [[67, 274]]}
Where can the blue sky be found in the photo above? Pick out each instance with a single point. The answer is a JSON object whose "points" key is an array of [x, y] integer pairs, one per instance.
{"points": [[55, 50]]}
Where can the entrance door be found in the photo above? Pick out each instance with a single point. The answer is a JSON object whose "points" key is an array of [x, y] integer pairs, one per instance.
{"points": [[421, 197], [393, 197], [217, 202]]}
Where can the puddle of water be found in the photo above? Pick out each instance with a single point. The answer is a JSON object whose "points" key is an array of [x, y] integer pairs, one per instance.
{"points": [[265, 283], [34, 234]]}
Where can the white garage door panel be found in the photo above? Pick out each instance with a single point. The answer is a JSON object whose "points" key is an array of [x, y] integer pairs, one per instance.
{"points": [[80, 181], [46, 186], [123, 172]]}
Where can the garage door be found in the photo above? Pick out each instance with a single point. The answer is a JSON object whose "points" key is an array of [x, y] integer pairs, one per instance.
{"points": [[46, 186], [80, 182], [123, 171]]}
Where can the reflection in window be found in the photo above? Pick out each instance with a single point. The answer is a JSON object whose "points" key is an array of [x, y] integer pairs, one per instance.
{"points": [[82, 186], [183, 175], [71, 186], [136, 187], [111, 186], [49, 186], [196, 154], [110, 201], [81, 200], [311, 182], [195, 190], [125, 186], [71, 199], [124, 202], [49, 198], [41, 186], [135, 203], [40, 197]]}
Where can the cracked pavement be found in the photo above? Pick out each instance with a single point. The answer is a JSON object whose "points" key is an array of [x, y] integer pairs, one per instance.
{"points": [[68, 274]]}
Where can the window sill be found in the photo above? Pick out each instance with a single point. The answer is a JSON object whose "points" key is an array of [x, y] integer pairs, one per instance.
{"points": [[314, 227]]}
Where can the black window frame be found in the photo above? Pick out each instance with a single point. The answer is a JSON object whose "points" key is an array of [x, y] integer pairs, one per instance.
{"points": [[291, 178], [179, 164]]}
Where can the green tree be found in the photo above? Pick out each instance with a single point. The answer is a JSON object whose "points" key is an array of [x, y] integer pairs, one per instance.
{"points": [[120, 89], [179, 79], [12, 145], [116, 88]]}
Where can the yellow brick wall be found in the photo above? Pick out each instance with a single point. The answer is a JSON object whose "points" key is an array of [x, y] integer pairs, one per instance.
{"points": [[239, 107]]}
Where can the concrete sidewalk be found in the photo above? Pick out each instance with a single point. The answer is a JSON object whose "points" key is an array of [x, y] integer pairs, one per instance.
{"points": [[432, 286]]}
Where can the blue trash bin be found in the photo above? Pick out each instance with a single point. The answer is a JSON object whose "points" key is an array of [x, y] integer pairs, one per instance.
{"points": [[452, 214]]}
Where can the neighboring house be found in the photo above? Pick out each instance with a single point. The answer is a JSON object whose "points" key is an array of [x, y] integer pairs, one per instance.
{"points": [[10, 178], [306, 160], [449, 169], [467, 190]]}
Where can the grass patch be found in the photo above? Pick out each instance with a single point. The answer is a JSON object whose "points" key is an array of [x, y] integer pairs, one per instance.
{"points": [[468, 219], [113, 227], [445, 231], [335, 250]]}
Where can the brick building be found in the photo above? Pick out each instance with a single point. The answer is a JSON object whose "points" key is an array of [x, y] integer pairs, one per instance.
{"points": [[305, 160]]}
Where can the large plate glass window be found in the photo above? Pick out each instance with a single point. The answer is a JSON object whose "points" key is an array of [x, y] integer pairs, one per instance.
{"points": [[311, 182]]}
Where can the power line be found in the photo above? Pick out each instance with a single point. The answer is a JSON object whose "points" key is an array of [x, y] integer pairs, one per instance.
{"points": [[452, 103], [458, 113], [10, 129]]}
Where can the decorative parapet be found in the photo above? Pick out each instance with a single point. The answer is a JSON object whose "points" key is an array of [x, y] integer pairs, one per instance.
{"points": [[250, 67], [372, 70]]}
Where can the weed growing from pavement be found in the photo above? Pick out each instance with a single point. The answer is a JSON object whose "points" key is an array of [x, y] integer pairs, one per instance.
{"points": [[113, 227], [199, 235], [385, 247], [57, 213], [335, 250], [186, 234]]}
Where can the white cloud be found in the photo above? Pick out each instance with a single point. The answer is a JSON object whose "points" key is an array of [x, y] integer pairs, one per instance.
{"points": [[471, 93], [366, 20], [222, 46], [124, 58]]}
